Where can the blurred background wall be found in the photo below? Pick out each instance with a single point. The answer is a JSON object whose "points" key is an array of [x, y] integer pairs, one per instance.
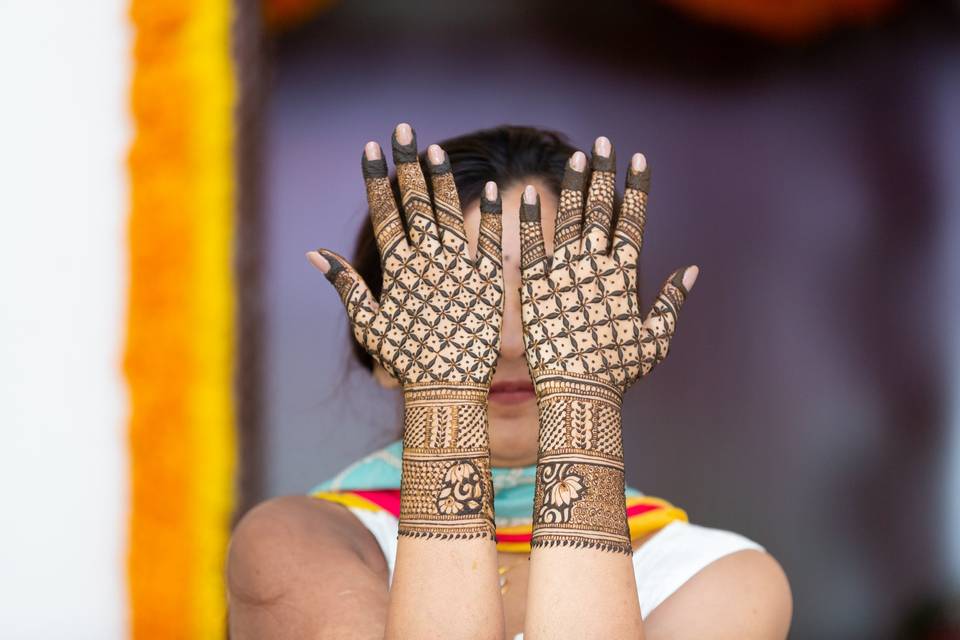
{"points": [[812, 174]]}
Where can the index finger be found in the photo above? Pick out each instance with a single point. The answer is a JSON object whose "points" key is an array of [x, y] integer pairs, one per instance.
{"points": [[387, 225]]}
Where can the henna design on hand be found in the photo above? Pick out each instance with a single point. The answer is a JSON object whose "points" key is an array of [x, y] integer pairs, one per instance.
{"points": [[586, 343], [436, 329]]}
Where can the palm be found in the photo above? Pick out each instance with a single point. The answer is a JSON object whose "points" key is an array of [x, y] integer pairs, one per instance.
{"points": [[438, 320], [580, 306], [440, 311]]}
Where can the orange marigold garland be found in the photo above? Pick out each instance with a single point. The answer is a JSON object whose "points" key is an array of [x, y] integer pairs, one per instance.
{"points": [[788, 19], [180, 325]]}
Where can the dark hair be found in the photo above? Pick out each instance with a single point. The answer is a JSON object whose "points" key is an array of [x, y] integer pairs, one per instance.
{"points": [[504, 154]]}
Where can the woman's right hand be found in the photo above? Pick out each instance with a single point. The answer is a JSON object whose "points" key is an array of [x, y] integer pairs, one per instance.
{"points": [[439, 315], [436, 329]]}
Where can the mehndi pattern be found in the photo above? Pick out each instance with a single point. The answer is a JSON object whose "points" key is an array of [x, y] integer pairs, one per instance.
{"points": [[586, 343], [436, 329]]}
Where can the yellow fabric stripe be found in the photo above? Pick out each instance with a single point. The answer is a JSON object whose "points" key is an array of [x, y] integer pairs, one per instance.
{"points": [[347, 500], [180, 317]]}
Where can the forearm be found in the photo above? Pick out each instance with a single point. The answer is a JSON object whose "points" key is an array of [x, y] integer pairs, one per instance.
{"points": [[445, 583], [581, 550]]}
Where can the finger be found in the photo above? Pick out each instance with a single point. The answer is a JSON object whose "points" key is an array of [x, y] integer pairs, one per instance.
{"points": [[599, 208], [387, 226], [489, 252], [354, 293], [532, 253], [661, 321], [628, 238], [567, 231], [446, 202], [413, 191]]}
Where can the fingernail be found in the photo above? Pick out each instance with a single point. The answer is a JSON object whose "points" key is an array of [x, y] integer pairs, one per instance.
{"points": [[404, 144], [317, 260], [439, 162], [639, 175], [578, 161], [530, 195], [490, 202], [372, 163], [603, 158], [334, 266], [690, 277], [575, 178], [404, 133], [435, 154], [602, 147], [530, 207]]}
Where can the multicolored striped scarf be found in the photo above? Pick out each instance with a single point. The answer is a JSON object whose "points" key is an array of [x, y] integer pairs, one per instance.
{"points": [[373, 484]]}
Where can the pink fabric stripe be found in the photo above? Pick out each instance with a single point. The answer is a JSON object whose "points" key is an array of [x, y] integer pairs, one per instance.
{"points": [[386, 499], [637, 509]]}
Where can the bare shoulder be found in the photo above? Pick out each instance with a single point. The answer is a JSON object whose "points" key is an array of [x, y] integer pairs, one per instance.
{"points": [[290, 562], [743, 595]]}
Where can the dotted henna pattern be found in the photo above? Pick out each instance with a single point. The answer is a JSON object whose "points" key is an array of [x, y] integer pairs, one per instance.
{"points": [[586, 343]]}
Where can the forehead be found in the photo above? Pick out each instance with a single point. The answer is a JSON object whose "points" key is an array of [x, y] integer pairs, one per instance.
{"points": [[510, 195]]}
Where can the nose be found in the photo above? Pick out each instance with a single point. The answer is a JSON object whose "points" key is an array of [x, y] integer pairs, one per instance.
{"points": [[511, 336]]}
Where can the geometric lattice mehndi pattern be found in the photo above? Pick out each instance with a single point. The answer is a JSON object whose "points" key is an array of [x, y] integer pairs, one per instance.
{"points": [[586, 343], [436, 329]]}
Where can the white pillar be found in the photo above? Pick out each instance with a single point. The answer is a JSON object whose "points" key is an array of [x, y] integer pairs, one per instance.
{"points": [[64, 132]]}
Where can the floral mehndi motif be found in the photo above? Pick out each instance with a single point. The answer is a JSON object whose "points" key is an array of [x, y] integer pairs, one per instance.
{"points": [[462, 490], [561, 488]]}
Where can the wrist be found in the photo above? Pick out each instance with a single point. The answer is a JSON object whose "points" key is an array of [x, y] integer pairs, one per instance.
{"points": [[446, 487], [445, 416], [580, 413], [579, 497]]}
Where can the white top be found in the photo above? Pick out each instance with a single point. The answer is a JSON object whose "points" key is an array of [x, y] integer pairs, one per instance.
{"points": [[661, 564]]}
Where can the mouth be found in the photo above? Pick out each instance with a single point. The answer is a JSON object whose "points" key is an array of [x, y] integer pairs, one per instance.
{"points": [[511, 392]]}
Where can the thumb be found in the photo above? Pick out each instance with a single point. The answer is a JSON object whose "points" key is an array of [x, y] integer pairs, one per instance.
{"points": [[661, 322], [353, 291]]}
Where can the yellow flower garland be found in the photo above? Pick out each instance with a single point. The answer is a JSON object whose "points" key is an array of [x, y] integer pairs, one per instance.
{"points": [[180, 326]]}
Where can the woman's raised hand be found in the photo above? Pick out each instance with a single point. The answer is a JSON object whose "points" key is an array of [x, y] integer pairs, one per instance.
{"points": [[586, 342], [436, 329], [439, 315], [581, 309]]}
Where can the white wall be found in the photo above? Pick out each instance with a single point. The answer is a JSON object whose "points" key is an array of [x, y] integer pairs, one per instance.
{"points": [[63, 136]]}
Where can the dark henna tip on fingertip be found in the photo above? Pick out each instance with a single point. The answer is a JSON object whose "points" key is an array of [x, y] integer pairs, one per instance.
{"points": [[404, 152], [335, 265], [376, 168], [677, 281], [573, 179], [600, 162], [441, 168], [490, 206], [639, 181], [530, 212]]}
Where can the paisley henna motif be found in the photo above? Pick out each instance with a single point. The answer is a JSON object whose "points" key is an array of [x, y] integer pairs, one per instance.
{"points": [[436, 329], [586, 343]]}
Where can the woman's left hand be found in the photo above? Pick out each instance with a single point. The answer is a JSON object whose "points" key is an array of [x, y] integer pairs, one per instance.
{"points": [[580, 306]]}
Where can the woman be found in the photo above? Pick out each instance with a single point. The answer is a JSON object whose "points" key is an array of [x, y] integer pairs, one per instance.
{"points": [[513, 326]]}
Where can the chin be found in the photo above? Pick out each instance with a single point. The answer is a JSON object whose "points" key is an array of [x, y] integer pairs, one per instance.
{"points": [[514, 437]]}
